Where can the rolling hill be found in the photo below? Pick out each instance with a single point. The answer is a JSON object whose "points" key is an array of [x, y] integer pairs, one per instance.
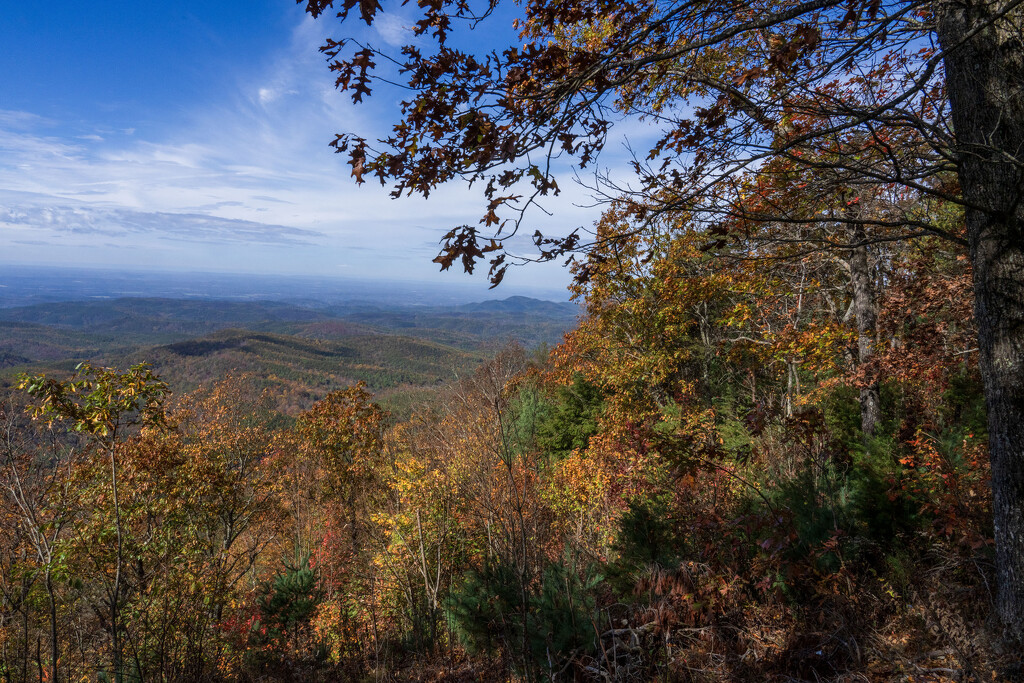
{"points": [[302, 352]]}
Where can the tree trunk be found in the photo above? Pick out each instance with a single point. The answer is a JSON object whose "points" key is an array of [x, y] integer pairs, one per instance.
{"points": [[864, 311], [54, 642], [984, 62], [115, 590]]}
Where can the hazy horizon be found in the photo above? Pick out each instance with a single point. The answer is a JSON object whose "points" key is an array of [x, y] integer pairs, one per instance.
{"points": [[22, 285]]}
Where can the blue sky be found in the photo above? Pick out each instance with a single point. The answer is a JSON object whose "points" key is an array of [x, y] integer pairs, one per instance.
{"points": [[193, 136]]}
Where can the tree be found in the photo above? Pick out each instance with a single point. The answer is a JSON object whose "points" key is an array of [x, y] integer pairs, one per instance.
{"points": [[104, 404], [341, 463], [228, 478], [342, 433], [893, 109], [35, 481]]}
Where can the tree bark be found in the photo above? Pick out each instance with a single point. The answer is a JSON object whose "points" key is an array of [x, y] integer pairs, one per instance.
{"points": [[115, 590], [984, 62], [54, 641], [866, 314]]}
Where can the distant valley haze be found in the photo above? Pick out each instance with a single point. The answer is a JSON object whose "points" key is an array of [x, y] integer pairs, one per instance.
{"points": [[22, 285], [303, 336]]}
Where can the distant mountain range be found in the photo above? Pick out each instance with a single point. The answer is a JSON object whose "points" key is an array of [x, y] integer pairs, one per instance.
{"points": [[522, 305], [527, 321], [158, 317], [161, 321], [306, 351], [22, 285]]}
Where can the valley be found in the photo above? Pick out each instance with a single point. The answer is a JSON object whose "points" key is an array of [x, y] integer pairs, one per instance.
{"points": [[301, 352]]}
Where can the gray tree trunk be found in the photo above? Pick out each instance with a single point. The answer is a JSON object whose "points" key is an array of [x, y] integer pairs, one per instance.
{"points": [[984, 62], [865, 312]]}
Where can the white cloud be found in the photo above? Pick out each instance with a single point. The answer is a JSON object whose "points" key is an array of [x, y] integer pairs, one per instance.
{"points": [[393, 29], [88, 220], [20, 119], [251, 176], [267, 95]]}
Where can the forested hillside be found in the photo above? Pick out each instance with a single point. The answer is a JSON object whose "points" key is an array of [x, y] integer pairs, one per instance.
{"points": [[303, 352], [696, 485], [79, 328]]}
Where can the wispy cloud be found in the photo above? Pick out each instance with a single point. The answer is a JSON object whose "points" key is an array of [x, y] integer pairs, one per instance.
{"points": [[115, 222], [393, 29], [19, 119], [252, 171]]}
